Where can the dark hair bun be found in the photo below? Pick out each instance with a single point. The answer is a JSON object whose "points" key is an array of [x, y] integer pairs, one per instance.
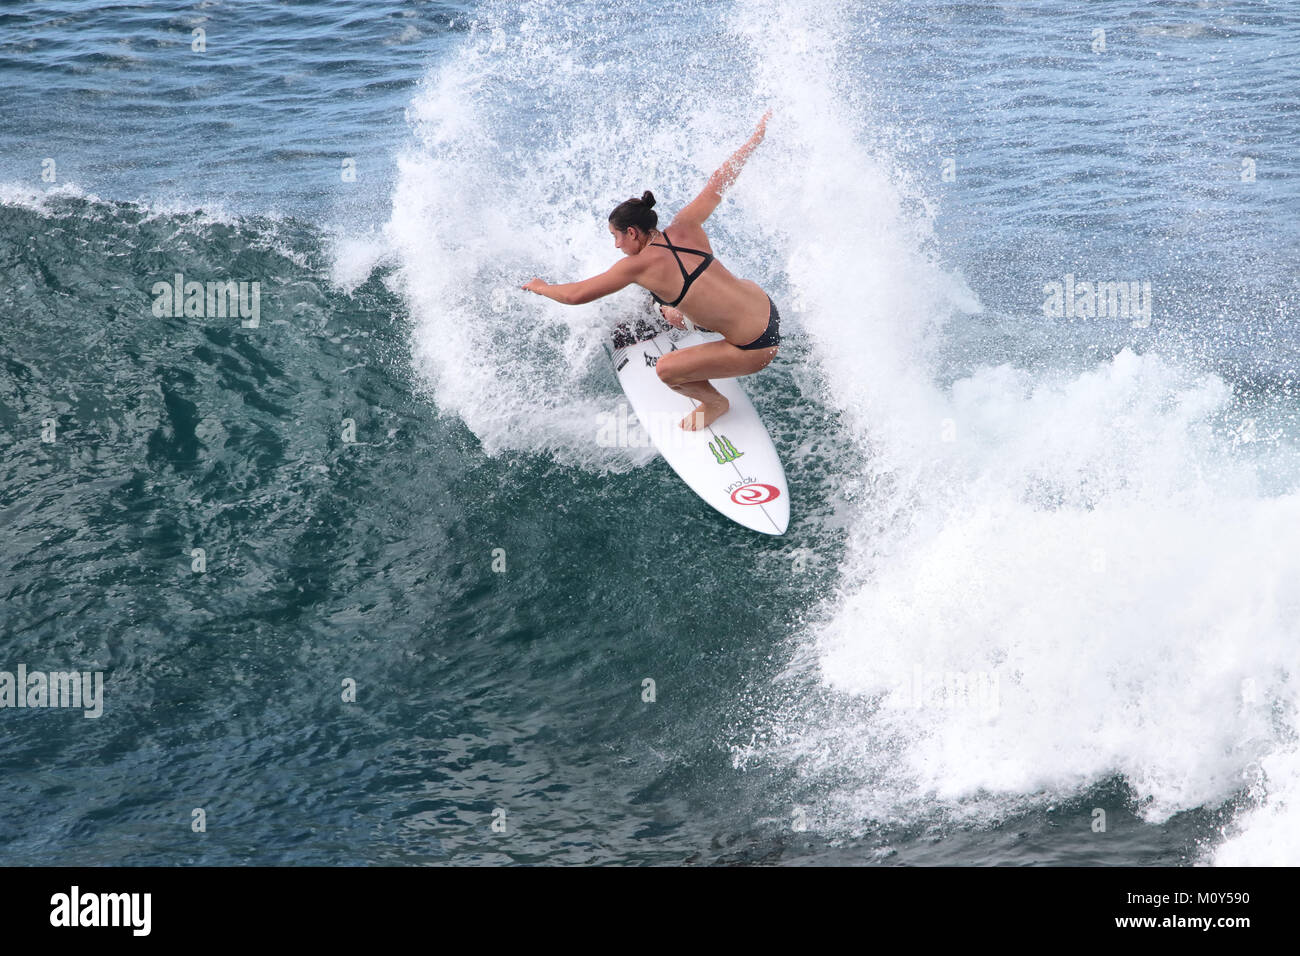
{"points": [[635, 212]]}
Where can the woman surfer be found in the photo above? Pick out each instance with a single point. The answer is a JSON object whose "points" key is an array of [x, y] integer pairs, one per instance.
{"points": [[737, 308]]}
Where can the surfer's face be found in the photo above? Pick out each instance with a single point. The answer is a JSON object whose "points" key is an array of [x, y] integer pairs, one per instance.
{"points": [[629, 242]]}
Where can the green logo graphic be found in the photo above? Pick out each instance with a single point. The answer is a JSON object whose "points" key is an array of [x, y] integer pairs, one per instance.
{"points": [[725, 451]]}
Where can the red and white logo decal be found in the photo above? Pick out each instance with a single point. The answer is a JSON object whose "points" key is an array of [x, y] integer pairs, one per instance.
{"points": [[755, 494]]}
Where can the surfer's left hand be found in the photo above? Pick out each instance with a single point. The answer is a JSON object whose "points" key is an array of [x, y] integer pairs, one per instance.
{"points": [[673, 316], [534, 285]]}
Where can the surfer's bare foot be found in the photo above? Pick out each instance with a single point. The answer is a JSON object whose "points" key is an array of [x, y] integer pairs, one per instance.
{"points": [[705, 415]]}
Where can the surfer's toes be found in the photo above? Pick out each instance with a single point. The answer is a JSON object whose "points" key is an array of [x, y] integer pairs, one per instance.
{"points": [[704, 416]]}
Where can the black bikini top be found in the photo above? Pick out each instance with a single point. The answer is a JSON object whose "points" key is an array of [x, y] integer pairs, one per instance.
{"points": [[708, 258]]}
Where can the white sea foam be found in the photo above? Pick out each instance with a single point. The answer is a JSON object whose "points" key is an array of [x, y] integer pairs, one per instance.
{"points": [[37, 198], [1091, 543], [353, 257]]}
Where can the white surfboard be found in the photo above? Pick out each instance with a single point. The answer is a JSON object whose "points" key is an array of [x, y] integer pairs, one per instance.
{"points": [[732, 464]]}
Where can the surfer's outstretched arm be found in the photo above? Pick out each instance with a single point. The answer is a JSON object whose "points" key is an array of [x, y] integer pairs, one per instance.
{"points": [[619, 276], [702, 206]]}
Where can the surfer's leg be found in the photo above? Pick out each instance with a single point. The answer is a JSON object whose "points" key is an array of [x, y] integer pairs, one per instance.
{"points": [[687, 371]]}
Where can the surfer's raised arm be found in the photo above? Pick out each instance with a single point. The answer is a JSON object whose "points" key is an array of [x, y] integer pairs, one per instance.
{"points": [[702, 206], [631, 240]]}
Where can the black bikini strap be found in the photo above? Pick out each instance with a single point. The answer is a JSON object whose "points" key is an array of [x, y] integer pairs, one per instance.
{"points": [[694, 252], [667, 244]]}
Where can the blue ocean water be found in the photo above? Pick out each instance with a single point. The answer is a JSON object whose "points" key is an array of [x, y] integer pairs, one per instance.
{"points": [[366, 586]]}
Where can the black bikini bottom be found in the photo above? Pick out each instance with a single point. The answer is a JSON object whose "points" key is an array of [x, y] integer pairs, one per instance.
{"points": [[772, 334]]}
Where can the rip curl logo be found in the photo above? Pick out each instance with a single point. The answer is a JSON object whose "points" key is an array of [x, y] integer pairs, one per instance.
{"points": [[723, 450], [755, 494], [652, 360]]}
